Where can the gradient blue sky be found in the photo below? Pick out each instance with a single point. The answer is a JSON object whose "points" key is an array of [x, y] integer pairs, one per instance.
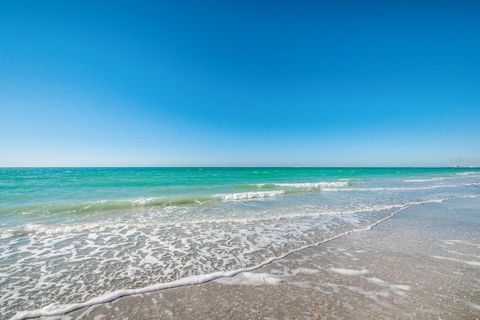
{"points": [[340, 83]]}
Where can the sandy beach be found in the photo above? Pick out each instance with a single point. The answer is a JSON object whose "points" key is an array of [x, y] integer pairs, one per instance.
{"points": [[423, 263]]}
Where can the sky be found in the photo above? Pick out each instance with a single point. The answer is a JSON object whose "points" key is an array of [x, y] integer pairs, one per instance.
{"points": [[239, 83]]}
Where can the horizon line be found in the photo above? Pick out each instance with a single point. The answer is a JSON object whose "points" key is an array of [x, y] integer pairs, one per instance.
{"points": [[226, 167]]}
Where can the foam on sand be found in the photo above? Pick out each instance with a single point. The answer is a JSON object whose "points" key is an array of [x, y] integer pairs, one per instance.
{"points": [[302, 270], [59, 309], [468, 262], [473, 305], [251, 279], [398, 289], [349, 272]]}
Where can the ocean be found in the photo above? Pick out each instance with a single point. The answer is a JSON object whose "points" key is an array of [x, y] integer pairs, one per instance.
{"points": [[72, 237]]}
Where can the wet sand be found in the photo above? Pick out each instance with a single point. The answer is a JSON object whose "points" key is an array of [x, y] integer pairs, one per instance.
{"points": [[424, 263]]}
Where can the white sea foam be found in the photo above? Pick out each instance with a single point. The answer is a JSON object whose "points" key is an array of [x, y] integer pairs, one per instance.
{"points": [[59, 309], [427, 179], [384, 283], [151, 245], [324, 186], [307, 185], [473, 173], [6, 234], [302, 270], [468, 262], [251, 279], [104, 225], [349, 272], [460, 242], [50, 229], [250, 195], [398, 289], [438, 186]]}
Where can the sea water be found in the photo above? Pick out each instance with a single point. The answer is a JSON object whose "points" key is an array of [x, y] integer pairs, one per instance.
{"points": [[72, 237]]}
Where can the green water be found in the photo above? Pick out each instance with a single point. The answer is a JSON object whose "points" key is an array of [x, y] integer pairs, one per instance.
{"points": [[19, 187]]}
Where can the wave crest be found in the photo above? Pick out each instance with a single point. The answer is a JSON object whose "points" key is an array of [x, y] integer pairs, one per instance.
{"points": [[308, 185], [250, 195]]}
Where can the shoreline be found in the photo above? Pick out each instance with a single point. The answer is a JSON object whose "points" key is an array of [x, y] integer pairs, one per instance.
{"points": [[49, 311], [235, 278]]}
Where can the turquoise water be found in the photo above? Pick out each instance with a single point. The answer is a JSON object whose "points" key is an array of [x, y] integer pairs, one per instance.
{"points": [[22, 188], [69, 235]]}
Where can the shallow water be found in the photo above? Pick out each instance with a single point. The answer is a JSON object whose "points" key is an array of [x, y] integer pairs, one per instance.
{"points": [[70, 235]]}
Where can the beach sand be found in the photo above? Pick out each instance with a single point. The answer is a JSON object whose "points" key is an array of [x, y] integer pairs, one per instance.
{"points": [[424, 263]]}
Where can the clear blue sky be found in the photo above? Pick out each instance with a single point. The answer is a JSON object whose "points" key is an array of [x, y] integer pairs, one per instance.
{"points": [[339, 83]]}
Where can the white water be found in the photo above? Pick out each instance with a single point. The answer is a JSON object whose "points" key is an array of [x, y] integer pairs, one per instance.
{"points": [[250, 195], [153, 248], [247, 278], [306, 185]]}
